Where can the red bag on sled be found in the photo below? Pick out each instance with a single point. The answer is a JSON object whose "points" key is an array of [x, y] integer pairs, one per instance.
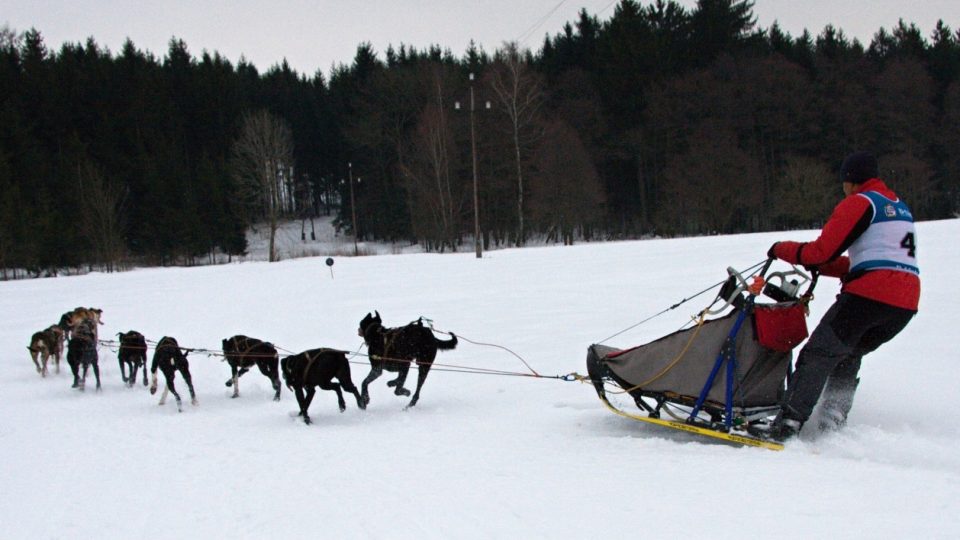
{"points": [[780, 327]]}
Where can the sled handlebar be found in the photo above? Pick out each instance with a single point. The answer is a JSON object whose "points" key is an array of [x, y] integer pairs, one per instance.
{"points": [[737, 284], [728, 295]]}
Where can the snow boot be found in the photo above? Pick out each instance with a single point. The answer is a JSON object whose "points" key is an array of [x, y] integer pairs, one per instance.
{"points": [[780, 429], [835, 404]]}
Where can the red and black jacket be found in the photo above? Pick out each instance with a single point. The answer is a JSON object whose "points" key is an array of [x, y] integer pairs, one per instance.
{"points": [[851, 217]]}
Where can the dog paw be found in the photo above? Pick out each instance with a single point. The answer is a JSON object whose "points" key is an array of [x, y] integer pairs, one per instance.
{"points": [[401, 392]]}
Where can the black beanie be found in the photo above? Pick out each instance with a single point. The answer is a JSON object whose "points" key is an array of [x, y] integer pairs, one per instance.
{"points": [[859, 167]]}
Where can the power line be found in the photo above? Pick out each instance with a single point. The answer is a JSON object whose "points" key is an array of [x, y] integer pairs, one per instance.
{"points": [[529, 32], [526, 35]]}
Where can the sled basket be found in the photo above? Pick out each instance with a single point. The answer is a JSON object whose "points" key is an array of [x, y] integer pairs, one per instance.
{"points": [[652, 369], [780, 327]]}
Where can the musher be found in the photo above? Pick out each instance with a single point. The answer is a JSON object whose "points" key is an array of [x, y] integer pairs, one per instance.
{"points": [[879, 296]]}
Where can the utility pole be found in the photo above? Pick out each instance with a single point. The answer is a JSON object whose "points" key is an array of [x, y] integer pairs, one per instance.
{"points": [[353, 209], [476, 190]]}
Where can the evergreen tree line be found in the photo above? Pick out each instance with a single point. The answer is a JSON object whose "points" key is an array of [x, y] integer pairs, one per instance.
{"points": [[659, 120]]}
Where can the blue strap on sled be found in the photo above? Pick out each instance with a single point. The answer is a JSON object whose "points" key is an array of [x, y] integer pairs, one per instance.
{"points": [[728, 354]]}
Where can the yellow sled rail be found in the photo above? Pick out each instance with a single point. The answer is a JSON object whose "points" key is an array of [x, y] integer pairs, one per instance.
{"points": [[697, 430]]}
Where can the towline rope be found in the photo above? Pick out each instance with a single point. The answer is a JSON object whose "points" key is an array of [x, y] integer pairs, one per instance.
{"points": [[114, 346]]}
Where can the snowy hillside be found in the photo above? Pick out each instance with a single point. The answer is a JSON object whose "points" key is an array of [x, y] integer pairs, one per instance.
{"points": [[481, 456]]}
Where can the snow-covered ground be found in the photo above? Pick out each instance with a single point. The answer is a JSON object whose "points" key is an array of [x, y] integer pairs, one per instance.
{"points": [[480, 456]]}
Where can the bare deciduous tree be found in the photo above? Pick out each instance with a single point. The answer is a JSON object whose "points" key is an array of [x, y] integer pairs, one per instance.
{"points": [[427, 169], [102, 202], [263, 164], [519, 93]]}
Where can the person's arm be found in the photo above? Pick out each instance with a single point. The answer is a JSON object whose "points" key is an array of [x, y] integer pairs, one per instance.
{"points": [[849, 219]]}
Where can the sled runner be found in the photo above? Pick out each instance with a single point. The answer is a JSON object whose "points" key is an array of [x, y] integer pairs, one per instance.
{"points": [[720, 375]]}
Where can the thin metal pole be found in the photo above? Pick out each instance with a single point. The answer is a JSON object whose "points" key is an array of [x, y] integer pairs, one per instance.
{"points": [[353, 209], [476, 198]]}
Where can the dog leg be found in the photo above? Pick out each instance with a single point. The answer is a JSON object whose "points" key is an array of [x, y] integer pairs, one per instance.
{"points": [[34, 355], [330, 385], [375, 372], [398, 382], [144, 370], [96, 373], [423, 370], [270, 371], [83, 379], [311, 391], [234, 381], [348, 385], [185, 371], [43, 359], [173, 391], [298, 391], [123, 371], [276, 388], [236, 375]]}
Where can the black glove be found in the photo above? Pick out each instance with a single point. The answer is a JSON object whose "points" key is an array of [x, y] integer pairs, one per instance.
{"points": [[770, 252]]}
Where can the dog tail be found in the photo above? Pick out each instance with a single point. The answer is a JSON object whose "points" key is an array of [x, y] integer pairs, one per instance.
{"points": [[449, 344]]}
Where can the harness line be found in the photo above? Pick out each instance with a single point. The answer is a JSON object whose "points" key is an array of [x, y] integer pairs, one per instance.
{"points": [[751, 269]]}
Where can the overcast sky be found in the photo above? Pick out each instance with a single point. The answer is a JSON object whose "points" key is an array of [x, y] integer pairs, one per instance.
{"points": [[315, 35]]}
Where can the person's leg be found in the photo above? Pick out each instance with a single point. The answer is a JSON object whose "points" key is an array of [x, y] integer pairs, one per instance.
{"points": [[818, 359], [837, 398]]}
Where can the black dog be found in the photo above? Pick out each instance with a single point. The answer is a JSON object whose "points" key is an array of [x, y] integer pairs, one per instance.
{"points": [[242, 353], [318, 367], [132, 354], [394, 349], [170, 358], [82, 351]]}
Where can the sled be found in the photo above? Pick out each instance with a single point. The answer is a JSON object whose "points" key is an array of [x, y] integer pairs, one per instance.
{"points": [[723, 373]]}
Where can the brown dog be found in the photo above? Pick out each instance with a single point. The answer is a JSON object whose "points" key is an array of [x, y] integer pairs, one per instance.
{"points": [[70, 320], [45, 344]]}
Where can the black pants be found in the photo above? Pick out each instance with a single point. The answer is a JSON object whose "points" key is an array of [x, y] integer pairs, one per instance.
{"points": [[851, 328]]}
